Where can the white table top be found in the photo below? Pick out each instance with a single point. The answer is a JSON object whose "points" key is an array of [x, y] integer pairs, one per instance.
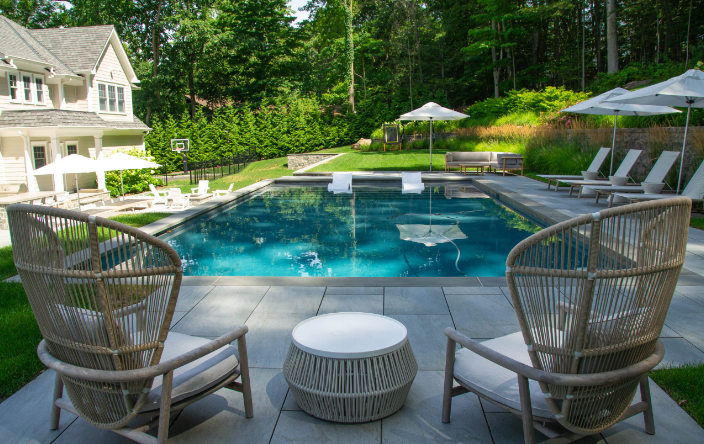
{"points": [[349, 335]]}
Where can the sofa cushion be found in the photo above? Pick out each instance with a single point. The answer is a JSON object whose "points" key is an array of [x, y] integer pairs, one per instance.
{"points": [[468, 156]]}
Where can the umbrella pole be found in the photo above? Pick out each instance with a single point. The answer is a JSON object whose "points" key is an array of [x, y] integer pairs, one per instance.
{"points": [[431, 144], [613, 144], [122, 186], [78, 194], [684, 144]]}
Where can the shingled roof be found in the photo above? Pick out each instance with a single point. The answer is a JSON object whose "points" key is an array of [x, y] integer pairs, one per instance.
{"points": [[79, 48], [64, 118], [16, 41]]}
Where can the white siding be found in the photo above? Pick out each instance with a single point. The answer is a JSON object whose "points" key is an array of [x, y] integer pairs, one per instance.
{"points": [[110, 71], [12, 168], [5, 102]]}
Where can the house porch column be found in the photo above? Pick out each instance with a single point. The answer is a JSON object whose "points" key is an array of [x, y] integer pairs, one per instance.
{"points": [[99, 156], [55, 155], [32, 184]]}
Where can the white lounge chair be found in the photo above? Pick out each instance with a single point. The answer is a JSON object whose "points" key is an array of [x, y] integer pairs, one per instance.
{"points": [[693, 190], [411, 183], [90, 206], [202, 188], [159, 197], [341, 183], [622, 171], [178, 201], [217, 193], [593, 168], [657, 175]]}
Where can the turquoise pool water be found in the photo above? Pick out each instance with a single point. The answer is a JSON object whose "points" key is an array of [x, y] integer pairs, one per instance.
{"points": [[308, 231]]}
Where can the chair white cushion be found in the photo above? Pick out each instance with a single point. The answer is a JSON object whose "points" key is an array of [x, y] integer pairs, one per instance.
{"points": [[196, 377], [495, 382]]}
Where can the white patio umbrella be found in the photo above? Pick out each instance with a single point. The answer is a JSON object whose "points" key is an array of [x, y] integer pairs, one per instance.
{"points": [[122, 161], [430, 235], [432, 111], [74, 164], [598, 106], [685, 90]]}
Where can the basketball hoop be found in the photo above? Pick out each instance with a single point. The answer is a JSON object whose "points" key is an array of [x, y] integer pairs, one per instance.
{"points": [[181, 146]]}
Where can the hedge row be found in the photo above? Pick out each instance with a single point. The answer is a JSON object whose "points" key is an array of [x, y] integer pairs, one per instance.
{"points": [[274, 129]]}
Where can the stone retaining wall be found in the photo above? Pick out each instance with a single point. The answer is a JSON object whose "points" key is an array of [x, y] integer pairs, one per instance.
{"points": [[298, 161]]}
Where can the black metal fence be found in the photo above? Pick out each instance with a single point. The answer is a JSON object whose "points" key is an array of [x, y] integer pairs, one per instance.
{"points": [[211, 169]]}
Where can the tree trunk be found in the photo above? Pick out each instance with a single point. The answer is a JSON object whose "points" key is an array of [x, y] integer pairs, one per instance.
{"points": [[493, 60], [156, 33], [192, 90], [415, 26], [596, 22], [611, 36], [349, 49]]}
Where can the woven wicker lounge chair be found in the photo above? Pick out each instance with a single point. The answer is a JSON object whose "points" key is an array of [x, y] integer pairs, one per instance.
{"points": [[585, 347], [105, 323]]}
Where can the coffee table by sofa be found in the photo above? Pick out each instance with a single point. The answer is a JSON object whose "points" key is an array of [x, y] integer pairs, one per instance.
{"points": [[350, 367], [478, 168]]}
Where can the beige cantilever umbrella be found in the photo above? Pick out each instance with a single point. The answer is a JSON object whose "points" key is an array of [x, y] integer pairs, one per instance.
{"points": [[432, 111], [685, 90], [600, 105], [74, 164], [122, 161]]}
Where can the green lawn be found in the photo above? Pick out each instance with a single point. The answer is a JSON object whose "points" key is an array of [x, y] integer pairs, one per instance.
{"points": [[685, 384], [139, 219], [697, 222], [406, 160]]}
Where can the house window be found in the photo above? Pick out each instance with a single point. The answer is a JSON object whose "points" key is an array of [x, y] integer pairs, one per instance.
{"points": [[27, 87], [39, 84], [120, 99], [39, 156], [111, 98], [13, 86], [102, 97], [71, 148]]}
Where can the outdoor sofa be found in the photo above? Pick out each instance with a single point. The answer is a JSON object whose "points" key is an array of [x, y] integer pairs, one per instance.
{"points": [[487, 159]]}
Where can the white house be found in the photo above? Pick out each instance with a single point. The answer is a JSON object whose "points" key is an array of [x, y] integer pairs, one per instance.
{"points": [[63, 91]]}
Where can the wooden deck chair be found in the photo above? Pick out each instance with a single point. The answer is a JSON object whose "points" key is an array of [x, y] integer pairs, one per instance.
{"points": [[593, 169], [217, 193], [411, 183], [202, 188], [105, 322], [179, 201], [657, 175], [591, 295], [623, 170], [694, 190], [159, 197]]}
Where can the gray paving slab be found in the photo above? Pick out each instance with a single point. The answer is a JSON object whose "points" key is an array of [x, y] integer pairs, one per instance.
{"points": [[290, 403], [178, 315], [269, 337], [507, 428], [354, 290], [472, 290], [24, 417], [220, 418], [483, 316], [303, 300], [299, 427], [686, 317], [493, 281], [694, 263], [672, 424], [427, 337], [222, 310], [193, 281], [695, 280], [367, 303], [667, 332], [679, 351], [694, 293], [189, 296], [414, 300], [419, 420]]}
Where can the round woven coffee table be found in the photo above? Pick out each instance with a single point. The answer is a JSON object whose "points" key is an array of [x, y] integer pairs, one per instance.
{"points": [[350, 367]]}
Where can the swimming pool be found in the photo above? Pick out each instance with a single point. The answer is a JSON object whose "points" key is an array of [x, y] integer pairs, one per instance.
{"points": [[452, 230]]}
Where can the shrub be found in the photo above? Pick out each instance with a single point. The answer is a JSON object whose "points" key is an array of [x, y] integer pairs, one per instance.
{"points": [[135, 181]]}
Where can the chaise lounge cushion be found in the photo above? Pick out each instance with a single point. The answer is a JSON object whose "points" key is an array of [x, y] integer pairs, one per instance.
{"points": [[196, 377], [495, 382]]}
